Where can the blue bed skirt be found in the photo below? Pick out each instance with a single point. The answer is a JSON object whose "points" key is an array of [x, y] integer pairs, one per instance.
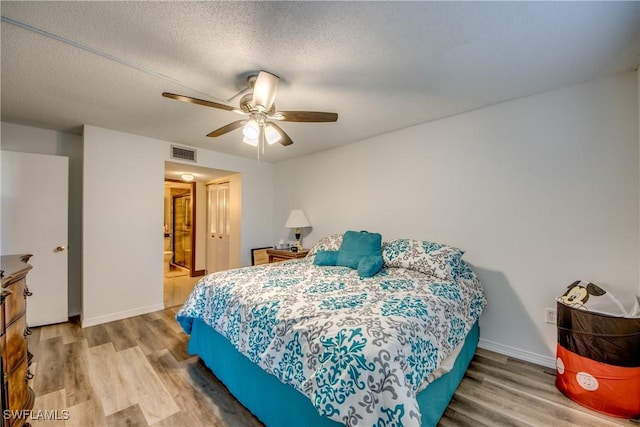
{"points": [[280, 405]]}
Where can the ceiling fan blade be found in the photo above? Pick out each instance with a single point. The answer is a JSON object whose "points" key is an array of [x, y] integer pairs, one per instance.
{"points": [[227, 128], [197, 101], [265, 90], [306, 116], [285, 138]]}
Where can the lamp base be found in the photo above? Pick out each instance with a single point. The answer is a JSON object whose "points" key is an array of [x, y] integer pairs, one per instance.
{"points": [[298, 234]]}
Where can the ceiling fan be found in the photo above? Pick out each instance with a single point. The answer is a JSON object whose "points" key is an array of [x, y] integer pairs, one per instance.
{"points": [[257, 105]]}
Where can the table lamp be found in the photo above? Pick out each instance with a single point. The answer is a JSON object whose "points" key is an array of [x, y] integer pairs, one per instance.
{"points": [[297, 219]]}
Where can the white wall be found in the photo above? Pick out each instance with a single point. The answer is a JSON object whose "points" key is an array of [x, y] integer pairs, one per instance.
{"points": [[27, 139], [123, 219], [539, 191]]}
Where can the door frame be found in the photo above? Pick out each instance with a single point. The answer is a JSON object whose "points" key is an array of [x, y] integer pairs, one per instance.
{"points": [[192, 270]]}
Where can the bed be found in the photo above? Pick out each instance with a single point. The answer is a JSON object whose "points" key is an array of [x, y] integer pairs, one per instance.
{"points": [[303, 344]]}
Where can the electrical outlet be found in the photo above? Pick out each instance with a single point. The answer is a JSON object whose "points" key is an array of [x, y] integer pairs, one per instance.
{"points": [[550, 315]]}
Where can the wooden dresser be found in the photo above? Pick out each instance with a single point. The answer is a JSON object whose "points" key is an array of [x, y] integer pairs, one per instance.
{"points": [[17, 396]]}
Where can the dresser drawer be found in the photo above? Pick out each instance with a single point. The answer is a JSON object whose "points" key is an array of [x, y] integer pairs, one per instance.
{"points": [[17, 383], [277, 255], [16, 344], [16, 394], [15, 304]]}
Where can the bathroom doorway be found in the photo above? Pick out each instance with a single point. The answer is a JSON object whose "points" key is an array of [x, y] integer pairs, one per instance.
{"points": [[182, 230], [179, 228], [185, 227]]}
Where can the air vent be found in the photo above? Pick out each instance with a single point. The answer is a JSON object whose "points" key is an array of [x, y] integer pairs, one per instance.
{"points": [[183, 153]]}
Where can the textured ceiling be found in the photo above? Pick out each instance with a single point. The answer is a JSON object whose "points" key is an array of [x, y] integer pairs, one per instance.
{"points": [[381, 65]]}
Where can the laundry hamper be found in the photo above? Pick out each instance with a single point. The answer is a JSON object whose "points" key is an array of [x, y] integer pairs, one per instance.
{"points": [[598, 352]]}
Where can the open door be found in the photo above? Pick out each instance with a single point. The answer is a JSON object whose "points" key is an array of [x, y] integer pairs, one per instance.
{"points": [[34, 220]]}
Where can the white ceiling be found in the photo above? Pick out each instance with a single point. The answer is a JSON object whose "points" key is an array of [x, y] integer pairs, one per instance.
{"points": [[381, 66]]}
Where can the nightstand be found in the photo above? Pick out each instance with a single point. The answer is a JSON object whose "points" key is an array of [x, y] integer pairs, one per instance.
{"points": [[277, 255]]}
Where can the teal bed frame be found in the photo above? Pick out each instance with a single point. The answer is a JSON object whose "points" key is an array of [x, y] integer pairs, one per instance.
{"points": [[280, 405]]}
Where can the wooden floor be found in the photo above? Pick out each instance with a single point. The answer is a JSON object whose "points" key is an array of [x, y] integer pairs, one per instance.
{"points": [[136, 372]]}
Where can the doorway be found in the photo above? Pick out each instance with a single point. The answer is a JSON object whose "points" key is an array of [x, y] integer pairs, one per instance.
{"points": [[182, 231], [179, 229], [186, 227]]}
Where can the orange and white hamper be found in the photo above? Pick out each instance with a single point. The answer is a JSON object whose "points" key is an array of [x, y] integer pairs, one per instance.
{"points": [[598, 352]]}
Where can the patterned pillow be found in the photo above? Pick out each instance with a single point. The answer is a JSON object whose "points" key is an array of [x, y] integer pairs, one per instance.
{"points": [[435, 259], [328, 243]]}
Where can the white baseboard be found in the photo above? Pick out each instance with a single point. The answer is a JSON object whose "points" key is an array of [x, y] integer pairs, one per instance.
{"points": [[527, 356], [120, 315]]}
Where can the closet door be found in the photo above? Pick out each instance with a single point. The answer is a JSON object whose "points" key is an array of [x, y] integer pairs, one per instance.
{"points": [[218, 237]]}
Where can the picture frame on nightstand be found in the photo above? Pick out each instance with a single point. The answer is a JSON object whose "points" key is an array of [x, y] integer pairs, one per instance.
{"points": [[260, 256]]}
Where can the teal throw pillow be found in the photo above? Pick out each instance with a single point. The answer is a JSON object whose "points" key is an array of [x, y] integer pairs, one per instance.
{"points": [[357, 245], [325, 258], [369, 265]]}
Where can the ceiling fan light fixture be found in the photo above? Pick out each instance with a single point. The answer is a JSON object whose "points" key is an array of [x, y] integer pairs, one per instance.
{"points": [[265, 90], [257, 105], [251, 130], [251, 141], [272, 134]]}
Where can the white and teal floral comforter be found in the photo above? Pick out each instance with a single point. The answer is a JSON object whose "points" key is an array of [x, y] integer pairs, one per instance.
{"points": [[359, 349]]}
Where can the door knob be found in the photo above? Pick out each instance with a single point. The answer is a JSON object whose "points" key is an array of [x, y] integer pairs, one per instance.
{"points": [[59, 249]]}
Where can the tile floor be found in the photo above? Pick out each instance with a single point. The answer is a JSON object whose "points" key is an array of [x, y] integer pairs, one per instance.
{"points": [[177, 286]]}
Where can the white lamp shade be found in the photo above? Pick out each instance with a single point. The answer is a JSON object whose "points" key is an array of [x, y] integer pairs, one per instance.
{"points": [[251, 130], [250, 141], [265, 90], [297, 219], [272, 134]]}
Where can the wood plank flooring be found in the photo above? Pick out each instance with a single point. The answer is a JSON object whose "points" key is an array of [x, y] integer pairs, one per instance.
{"points": [[136, 372]]}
